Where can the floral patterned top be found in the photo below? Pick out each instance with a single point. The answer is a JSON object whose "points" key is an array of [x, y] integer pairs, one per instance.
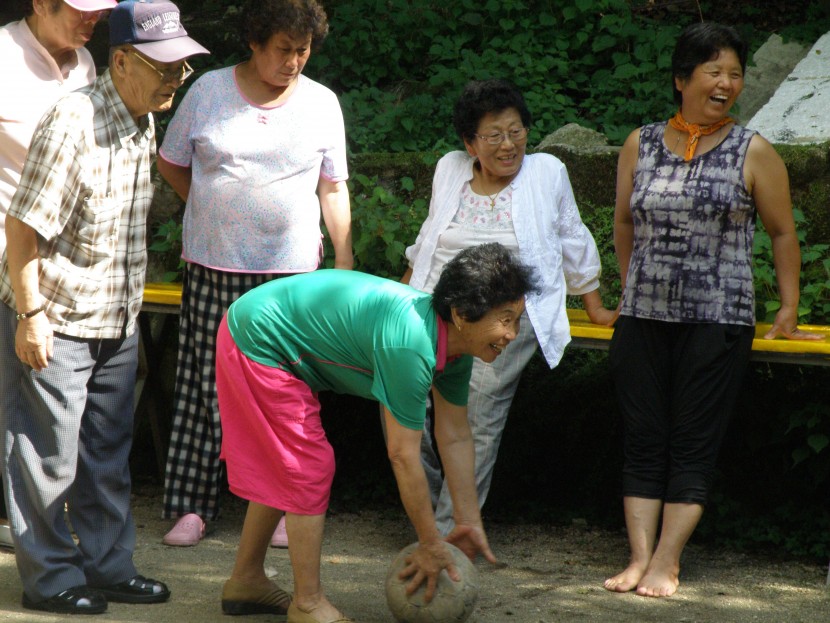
{"points": [[253, 204]]}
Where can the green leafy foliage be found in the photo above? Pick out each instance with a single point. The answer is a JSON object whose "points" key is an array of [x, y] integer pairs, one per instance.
{"points": [[168, 242], [397, 78], [814, 303], [600, 222], [384, 221], [811, 423], [398, 65], [788, 527]]}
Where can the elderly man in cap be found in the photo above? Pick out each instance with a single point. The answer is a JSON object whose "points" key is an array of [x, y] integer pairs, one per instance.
{"points": [[43, 56], [71, 285]]}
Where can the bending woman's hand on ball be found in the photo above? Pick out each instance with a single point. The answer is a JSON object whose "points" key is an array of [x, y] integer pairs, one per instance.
{"points": [[425, 563], [472, 541]]}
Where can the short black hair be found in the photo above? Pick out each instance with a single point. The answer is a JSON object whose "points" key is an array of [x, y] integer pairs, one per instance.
{"points": [[702, 42], [479, 279], [259, 20], [481, 97]]}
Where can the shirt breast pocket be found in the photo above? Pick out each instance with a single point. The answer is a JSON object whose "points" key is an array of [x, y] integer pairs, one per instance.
{"points": [[98, 220]]}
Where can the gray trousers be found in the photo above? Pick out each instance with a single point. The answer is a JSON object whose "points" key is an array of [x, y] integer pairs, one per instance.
{"points": [[66, 438], [492, 387]]}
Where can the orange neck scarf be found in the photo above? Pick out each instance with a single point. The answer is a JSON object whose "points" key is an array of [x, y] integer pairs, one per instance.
{"points": [[695, 131]]}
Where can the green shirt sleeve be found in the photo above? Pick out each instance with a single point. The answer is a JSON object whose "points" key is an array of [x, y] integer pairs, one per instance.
{"points": [[454, 382], [402, 380]]}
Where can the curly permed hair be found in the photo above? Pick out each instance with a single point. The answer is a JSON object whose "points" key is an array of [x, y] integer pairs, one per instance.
{"points": [[259, 20], [479, 279]]}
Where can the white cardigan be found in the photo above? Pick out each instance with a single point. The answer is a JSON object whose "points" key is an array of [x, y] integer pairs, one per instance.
{"points": [[552, 239]]}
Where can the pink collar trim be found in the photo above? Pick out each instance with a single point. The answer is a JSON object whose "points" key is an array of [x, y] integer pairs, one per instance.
{"points": [[441, 351]]}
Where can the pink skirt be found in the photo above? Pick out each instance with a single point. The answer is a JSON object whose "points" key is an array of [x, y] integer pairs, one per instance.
{"points": [[273, 441]]}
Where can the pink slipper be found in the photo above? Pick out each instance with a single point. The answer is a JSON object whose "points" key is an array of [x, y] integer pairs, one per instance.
{"points": [[188, 531], [280, 538]]}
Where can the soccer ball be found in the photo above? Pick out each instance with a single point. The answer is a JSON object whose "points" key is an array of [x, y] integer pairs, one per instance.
{"points": [[452, 602]]}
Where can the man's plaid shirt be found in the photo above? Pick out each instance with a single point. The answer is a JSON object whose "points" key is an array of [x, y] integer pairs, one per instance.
{"points": [[86, 190]]}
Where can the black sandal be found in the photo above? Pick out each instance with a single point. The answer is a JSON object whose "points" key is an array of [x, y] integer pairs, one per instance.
{"points": [[76, 600], [136, 590]]}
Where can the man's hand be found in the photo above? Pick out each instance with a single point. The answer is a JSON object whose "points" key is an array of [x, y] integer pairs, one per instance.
{"points": [[33, 341]]}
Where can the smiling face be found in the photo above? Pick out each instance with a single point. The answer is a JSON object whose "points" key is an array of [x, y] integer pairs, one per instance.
{"points": [[502, 160], [488, 337], [280, 61], [709, 93]]}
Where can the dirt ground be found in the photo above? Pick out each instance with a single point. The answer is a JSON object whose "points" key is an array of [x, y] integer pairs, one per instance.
{"points": [[544, 575]]}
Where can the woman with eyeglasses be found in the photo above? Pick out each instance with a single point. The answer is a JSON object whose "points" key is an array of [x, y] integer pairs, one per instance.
{"points": [[258, 152], [495, 192]]}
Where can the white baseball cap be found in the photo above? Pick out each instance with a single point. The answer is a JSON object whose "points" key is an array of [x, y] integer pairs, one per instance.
{"points": [[92, 5]]}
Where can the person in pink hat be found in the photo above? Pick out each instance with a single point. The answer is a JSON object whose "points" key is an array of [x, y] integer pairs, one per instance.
{"points": [[43, 55], [71, 286]]}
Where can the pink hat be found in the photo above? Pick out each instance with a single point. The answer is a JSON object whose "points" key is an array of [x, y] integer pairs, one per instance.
{"points": [[153, 28], [91, 5]]}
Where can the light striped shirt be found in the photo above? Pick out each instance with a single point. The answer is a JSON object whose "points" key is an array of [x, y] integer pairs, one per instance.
{"points": [[86, 190]]}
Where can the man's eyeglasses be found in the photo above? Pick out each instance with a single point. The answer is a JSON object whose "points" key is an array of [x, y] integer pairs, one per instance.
{"points": [[497, 138], [179, 73]]}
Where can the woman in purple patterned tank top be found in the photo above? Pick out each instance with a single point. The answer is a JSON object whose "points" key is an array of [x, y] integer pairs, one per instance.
{"points": [[688, 193]]}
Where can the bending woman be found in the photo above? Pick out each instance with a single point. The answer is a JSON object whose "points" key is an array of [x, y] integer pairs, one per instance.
{"points": [[356, 334]]}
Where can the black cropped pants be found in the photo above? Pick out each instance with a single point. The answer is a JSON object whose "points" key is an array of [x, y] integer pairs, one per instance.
{"points": [[676, 385]]}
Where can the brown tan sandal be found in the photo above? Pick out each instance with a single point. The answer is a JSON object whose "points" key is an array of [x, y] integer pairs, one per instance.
{"points": [[241, 598], [295, 615]]}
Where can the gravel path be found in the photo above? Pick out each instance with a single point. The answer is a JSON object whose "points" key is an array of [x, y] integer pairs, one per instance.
{"points": [[545, 575]]}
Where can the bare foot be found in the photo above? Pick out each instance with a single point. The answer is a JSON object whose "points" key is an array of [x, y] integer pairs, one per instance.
{"points": [[660, 579], [627, 580]]}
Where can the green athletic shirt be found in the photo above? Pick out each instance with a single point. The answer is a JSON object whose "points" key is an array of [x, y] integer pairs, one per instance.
{"points": [[352, 333]]}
